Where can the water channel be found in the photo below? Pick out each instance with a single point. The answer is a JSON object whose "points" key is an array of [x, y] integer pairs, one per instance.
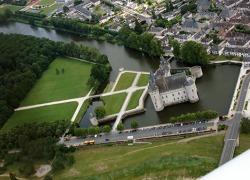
{"points": [[215, 87]]}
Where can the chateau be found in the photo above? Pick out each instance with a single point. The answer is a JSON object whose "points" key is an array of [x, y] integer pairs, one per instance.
{"points": [[166, 89]]}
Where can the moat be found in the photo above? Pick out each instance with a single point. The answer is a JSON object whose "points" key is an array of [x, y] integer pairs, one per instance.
{"points": [[215, 87]]}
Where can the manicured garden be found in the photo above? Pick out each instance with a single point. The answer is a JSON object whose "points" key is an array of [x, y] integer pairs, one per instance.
{"points": [[64, 79], [143, 80], [160, 160], [42, 114], [47, 10], [113, 103], [10, 7], [125, 81], [134, 100]]}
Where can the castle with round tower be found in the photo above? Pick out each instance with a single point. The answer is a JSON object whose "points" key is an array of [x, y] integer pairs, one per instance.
{"points": [[166, 89]]}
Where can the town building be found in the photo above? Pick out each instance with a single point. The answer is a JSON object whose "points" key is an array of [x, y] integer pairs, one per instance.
{"points": [[166, 89]]}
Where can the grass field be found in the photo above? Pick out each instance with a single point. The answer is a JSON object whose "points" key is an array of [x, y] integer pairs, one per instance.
{"points": [[10, 7], [134, 100], [42, 114], [125, 81], [244, 144], [44, 2], [165, 159], [53, 87], [47, 10], [99, 11], [143, 80], [114, 103]]}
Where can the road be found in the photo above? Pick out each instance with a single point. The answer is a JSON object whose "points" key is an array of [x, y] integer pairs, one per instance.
{"points": [[153, 131], [233, 130]]}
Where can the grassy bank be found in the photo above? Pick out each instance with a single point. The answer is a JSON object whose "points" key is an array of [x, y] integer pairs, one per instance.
{"points": [[69, 82], [134, 100], [159, 160], [42, 114], [125, 81], [113, 103], [244, 144]]}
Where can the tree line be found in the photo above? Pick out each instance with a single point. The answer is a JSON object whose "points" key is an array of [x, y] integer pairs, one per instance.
{"points": [[23, 60], [200, 115], [36, 141]]}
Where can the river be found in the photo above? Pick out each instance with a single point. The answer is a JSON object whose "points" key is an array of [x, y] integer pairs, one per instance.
{"points": [[215, 87]]}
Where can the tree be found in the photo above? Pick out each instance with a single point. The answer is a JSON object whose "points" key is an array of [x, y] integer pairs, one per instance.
{"points": [[57, 165], [138, 27], [176, 49], [106, 129], [194, 53], [97, 129], [120, 126], [76, 2], [91, 130], [80, 132], [245, 126], [100, 112], [124, 33], [47, 177], [133, 41], [134, 124], [99, 72], [65, 9], [32, 21], [169, 6]]}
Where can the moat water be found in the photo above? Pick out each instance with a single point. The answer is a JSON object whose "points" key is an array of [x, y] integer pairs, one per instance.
{"points": [[215, 87]]}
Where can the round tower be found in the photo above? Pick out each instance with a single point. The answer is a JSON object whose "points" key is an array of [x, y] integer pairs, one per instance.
{"points": [[156, 99], [155, 94], [196, 71], [191, 91]]}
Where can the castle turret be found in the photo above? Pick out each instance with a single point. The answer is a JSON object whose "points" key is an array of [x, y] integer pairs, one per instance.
{"points": [[191, 91], [154, 93], [196, 71]]}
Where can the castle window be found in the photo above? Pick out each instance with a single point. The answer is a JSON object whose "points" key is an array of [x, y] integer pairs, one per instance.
{"points": [[184, 92], [173, 94], [166, 96], [192, 90], [179, 93], [174, 99], [193, 96], [177, 98]]}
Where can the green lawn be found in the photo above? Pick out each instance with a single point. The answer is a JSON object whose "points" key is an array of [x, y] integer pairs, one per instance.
{"points": [[53, 87], [99, 11], [10, 7], [143, 80], [164, 159], [42, 114], [44, 2], [134, 100], [244, 144], [47, 10], [125, 81], [113, 103]]}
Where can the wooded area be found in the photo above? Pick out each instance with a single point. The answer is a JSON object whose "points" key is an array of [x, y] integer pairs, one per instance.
{"points": [[23, 60]]}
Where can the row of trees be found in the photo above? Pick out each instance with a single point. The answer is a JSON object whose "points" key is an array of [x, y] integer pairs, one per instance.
{"points": [[190, 6], [92, 130], [190, 52], [200, 115], [23, 60], [242, 28], [37, 141]]}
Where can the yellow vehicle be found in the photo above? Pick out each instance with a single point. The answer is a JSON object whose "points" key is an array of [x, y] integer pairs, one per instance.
{"points": [[89, 142]]}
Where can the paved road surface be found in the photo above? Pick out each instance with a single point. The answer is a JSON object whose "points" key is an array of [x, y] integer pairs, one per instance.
{"points": [[233, 130], [146, 132]]}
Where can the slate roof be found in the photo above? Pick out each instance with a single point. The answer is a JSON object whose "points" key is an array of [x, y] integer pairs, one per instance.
{"points": [[226, 13], [237, 43], [191, 23], [203, 4], [172, 82]]}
